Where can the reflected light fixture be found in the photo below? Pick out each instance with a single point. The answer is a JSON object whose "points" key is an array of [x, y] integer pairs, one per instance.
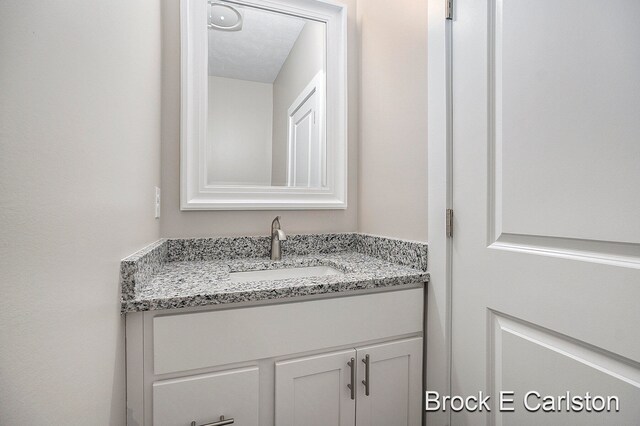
{"points": [[223, 17]]}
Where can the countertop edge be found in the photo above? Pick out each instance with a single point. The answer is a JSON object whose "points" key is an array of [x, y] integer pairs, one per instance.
{"points": [[276, 294]]}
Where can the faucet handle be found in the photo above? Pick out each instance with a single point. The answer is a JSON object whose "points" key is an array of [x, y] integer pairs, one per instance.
{"points": [[273, 224], [281, 235]]}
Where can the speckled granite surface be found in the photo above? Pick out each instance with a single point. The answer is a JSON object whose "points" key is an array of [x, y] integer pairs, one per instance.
{"points": [[179, 273]]}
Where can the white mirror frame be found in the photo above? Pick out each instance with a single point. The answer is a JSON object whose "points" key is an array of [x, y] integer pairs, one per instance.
{"points": [[195, 193]]}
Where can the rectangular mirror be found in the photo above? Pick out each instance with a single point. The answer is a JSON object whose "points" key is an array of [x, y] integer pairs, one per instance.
{"points": [[263, 105]]}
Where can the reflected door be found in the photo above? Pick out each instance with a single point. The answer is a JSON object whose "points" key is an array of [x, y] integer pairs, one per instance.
{"points": [[305, 150]]}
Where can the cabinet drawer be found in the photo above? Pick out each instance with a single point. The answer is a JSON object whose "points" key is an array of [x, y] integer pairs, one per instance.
{"points": [[204, 398], [207, 339]]}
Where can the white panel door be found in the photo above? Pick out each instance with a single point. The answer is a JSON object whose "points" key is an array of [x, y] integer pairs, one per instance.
{"points": [[306, 149], [205, 398], [546, 194], [302, 141], [313, 391], [392, 395]]}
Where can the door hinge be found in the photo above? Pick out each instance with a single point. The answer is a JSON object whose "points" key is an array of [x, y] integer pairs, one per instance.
{"points": [[449, 223], [448, 9]]}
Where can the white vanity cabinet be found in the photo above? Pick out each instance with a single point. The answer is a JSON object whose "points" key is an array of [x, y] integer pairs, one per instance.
{"points": [[386, 380], [285, 364], [202, 398], [315, 389], [395, 390]]}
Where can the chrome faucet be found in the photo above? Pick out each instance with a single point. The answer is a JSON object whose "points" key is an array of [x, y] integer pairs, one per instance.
{"points": [[277, 235]]}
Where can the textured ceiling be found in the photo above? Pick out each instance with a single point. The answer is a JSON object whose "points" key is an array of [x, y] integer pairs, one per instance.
{"points": [[256, 52]]}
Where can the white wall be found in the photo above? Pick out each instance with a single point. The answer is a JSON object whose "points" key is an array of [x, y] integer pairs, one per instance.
{"points": [[79, 157], [303, 63], [392, 184], [176, 223], [239, 132]]}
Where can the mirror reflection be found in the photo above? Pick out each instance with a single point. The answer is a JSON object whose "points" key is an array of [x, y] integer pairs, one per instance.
{"points": [[266, 98]]}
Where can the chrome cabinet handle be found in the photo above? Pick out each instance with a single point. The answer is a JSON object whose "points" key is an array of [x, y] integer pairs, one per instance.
{"points": [[220, 422], [352, 365], [367, 367]]}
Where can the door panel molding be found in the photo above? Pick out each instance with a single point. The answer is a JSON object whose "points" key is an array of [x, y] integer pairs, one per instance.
{"points": [[617, 253], [605, 252], [599, 359]]}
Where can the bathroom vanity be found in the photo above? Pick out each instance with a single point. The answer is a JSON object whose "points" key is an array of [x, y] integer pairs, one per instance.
{"points": [[332, 334], [278, 330]]}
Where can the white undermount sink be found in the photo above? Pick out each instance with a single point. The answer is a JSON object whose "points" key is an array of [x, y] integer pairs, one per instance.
{"points": [[283, 273]]}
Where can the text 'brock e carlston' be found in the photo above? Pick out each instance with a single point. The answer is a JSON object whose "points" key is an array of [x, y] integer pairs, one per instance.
{"points": [[531, 401]]}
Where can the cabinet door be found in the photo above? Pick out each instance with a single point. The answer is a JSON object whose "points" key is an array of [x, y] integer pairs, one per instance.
{"points": [[204, 398], [395, 384], [312, 391]]}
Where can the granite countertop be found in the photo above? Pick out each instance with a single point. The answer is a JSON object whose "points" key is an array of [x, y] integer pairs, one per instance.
{"points": [[179, 273]]}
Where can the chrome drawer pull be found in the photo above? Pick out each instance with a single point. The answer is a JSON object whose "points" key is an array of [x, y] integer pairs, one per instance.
{"points": [[352, 386], [220, 422], [367, 381]]}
